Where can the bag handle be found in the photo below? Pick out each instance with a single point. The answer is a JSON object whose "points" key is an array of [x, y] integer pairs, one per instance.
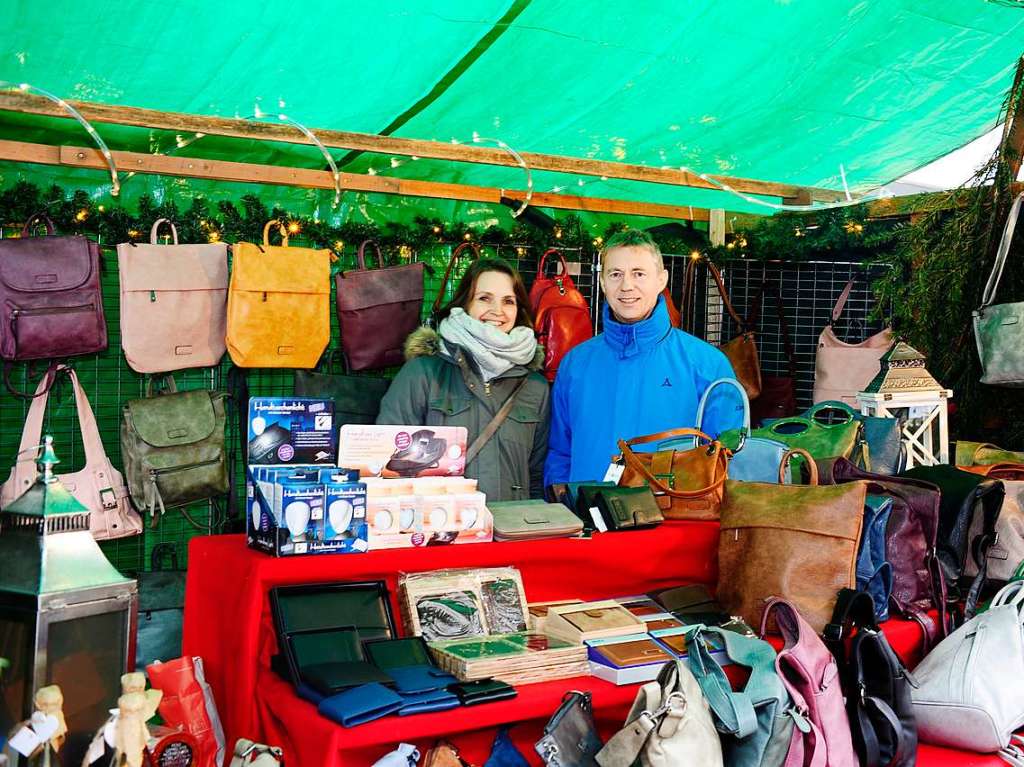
{"points": [[1004, 249], [743, 396], [634, 463], [156, 226], [26, 230], [771, 288], [833, 404], [564, 272], [690, 284], [808, 459], [663, 435], [853, 608], [280, 227], [734, 710], [161, 551], [436, 307], [1010, 594], [167, 381], [840, 303], [488, 431], [362, 248]]}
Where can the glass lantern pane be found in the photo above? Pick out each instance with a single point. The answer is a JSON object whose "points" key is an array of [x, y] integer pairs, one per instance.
{"points": [[16, 644]]}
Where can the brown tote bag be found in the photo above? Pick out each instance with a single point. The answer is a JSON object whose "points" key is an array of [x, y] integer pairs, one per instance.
{"points": [[377, 310], [686, 483], [797, 542]]}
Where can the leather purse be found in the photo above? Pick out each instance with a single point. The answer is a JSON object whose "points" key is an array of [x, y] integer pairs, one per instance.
{"points": [[359, 705], [1007, 552], [999, 328], [279, 312], [778, 393], [875, 683], [532, 520], [669, 724], [983, 454], [172, 446], [356, 398], [624, 508], [842, 369], [474, 253], [585, 506], [796, 542], [687, 484], [173, 303], [377, 310], [570, 737], [874, 573], [881, 449], [50, 299], [330, 660], [250, 754], [561, 314], [427, 701], [98, 485], [810, 675]]}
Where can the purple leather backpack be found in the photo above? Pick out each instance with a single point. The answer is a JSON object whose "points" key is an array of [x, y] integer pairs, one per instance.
{"points": [[50, 301]]}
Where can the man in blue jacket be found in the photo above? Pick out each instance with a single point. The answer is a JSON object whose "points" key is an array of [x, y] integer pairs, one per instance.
{"points": [[639, 376]]}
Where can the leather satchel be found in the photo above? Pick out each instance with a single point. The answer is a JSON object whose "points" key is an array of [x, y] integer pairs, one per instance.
{"points": [[50, 297], [875, 683], [999, 328], [173, 303], [98, 485], [356, 398], [377, 310], [570, 737], [561, 314], [669, 724], [983, 454], [279, 312], [172, 445], [778, 393], [687, 484], [810, 675], [793, 541], [628, 507], [842, 369], [1007, 552]]}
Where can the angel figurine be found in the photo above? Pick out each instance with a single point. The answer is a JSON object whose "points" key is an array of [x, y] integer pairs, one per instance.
{"points": [[130, 731], [136, 682], [40, 738]]}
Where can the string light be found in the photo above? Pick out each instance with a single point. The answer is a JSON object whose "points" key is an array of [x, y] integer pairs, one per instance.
{"points": [[436, 228], [467, 236], [101, 208], [294, 227], [213, 236], [520, 251], [133, 233], [558, 232], [695, 254], [477, 139], [339, 245], [82, 215]]}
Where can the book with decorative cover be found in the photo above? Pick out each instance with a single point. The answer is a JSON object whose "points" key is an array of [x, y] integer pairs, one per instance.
{"points": [[513, 658], [591, 620]]}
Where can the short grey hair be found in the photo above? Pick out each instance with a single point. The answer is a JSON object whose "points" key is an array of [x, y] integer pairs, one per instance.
{"points": [[638, 238]]}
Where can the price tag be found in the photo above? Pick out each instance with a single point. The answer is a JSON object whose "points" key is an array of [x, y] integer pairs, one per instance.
{"points": [[614, 473], [24, 741], [595, 514]]}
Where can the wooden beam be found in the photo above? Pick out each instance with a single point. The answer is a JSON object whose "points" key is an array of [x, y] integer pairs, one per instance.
{"points": [[18, 101], [222, 170], [1012, 144]]}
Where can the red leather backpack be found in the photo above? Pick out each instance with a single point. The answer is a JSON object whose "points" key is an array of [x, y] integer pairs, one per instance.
{"points": [[561, 314]]}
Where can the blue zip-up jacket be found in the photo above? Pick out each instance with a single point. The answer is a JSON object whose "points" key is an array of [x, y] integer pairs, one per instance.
{"points": [[629, 381]]}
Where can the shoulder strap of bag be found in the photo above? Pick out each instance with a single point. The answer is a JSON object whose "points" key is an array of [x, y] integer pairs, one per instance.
{"points": [[563, 266], [488, 431], [840, 304], [156, 226], [770, 288], [853, 609], [47, 378], [634, 463], [809, 462], [360, 254], [741, 326], [983, 541], [40, 217], [743, 396], [1004, 249], [734, 711], [475, 254]]}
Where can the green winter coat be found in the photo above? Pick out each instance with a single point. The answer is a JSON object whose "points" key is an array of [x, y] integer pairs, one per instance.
{"points": [[433, 389]]}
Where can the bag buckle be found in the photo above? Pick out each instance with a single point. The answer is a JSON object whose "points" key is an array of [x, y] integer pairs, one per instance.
{"points": [[833, 632], [108, 498], [668, 479]]}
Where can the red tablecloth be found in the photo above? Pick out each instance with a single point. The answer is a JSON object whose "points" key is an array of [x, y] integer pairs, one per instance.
{"points": [[227, 622]]}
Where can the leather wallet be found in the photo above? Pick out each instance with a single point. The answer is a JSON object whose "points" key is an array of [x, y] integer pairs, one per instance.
{"points": [[422, 702], [418, 679], [584, 496], [628, 507], [330, 660], [691, 604], [532, 520], [360, 704], [482, 691], [407, 661], [634, 653]]}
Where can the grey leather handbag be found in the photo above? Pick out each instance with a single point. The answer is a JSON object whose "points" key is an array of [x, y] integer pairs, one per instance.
{"points": [[999, 329], [570, 737], [969, 693]]}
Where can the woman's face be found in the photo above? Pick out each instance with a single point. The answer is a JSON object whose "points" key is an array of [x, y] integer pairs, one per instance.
{"points": [[494, 301]]}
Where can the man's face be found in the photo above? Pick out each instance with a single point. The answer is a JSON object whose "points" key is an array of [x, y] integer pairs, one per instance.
{"points": [[632, 279]]}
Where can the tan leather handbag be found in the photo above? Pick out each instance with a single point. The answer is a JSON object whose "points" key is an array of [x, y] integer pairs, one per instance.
{"points": [[687, 484], [98, 486], [279, 304], [173, 303], [798, 542], [841, 369]]}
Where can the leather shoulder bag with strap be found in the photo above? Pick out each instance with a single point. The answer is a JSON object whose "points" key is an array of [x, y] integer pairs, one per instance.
{"points": [[778, 392], [1007, 552], [279, 312], [173, 303], [561, 315], [377, 310], [98, 485]]}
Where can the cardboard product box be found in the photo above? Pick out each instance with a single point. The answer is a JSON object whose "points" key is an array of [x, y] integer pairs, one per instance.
{"points": [[401, 521], [291, 431], [403, 451]]}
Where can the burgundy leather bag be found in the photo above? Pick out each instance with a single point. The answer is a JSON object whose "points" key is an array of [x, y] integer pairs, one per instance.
{"points": [[50, 296], [911, 540], [811, 677], [561, 315], [377, 310], [778, 393]]}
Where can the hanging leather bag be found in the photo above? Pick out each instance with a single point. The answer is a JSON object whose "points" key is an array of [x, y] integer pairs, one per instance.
{"points": [[811, 677], [98, 485], [279, 312], [570, 737], [778, 393], [999, 328], [687, 484], [669, 724], [377, 310], [473, 251], [881, 449], [842, 369], [1007, 552], [798, 542], [51, 306], [561, 314], [356, 398], [173, 303], [876, 685], [172, 446]]}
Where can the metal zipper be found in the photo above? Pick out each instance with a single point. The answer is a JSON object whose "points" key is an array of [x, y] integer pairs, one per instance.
{"points": [[154, 473], [15, 313]]}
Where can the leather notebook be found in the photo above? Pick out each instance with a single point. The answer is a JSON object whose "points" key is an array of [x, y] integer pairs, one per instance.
{"points": [[638, 652]]}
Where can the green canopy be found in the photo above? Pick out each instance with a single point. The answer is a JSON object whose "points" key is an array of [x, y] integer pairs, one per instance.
{"points": [[779, 90]]}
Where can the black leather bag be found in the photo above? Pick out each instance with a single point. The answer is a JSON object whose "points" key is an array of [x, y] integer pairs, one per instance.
{"points": [[875, 683], [356, 398], [161, 608], [570, 737]]}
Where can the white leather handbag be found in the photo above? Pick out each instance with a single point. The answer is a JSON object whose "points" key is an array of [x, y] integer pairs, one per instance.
{"points": [[969, 693], [249, 754], [670, 724]]}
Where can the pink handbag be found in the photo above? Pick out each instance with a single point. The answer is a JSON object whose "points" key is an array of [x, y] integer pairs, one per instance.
{"points": [[841, 369], [811, 677], [173, 303], [98, 486]]}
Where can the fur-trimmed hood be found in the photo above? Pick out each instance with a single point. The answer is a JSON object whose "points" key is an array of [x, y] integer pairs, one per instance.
{"points": [[425, 342]]}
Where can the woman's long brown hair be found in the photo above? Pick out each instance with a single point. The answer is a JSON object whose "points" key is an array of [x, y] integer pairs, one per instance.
{"points": [[467, 286]]}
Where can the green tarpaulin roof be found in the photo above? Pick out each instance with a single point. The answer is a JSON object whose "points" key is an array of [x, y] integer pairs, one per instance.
{"points": [[779, 90]]}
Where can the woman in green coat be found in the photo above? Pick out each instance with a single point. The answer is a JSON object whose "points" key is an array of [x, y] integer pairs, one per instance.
{"points": [[463, 373]]}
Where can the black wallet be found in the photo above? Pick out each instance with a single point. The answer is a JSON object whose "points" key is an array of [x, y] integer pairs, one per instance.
{"points": [[628, 507], [586, 499], [482, 691], [331, 660], [691, 604]]}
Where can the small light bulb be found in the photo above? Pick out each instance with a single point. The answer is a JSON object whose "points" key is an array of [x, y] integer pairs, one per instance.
{"points": [[339, 244], [599, 239], [214, 236], [730, 245], [133, 233], [293, 227], [437, 229], [520, 251], [558, 234], [695, 254], [743, 242], [101, 208], [467, 236], [81, 215]]}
